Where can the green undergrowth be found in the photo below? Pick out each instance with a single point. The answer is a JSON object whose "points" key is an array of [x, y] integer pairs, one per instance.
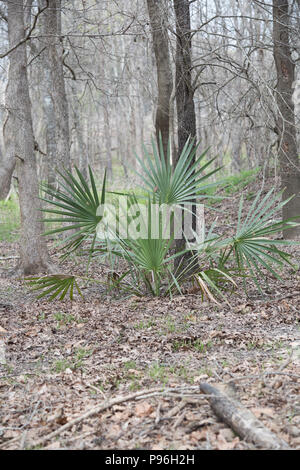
{"points": [[232, 184], [9, 219]]}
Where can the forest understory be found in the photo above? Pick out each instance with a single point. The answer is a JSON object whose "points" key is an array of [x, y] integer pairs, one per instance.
{"points": [[67, 358]]}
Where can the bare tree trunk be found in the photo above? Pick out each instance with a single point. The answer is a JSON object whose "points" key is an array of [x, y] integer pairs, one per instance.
{"points": [[7, 159], [78, 127], [19, 131], [236, 150], [139, 116], [52, 29], [158, 20], [186, 116], [50, 122], [132, 124], [288, 153], [107, 137]]}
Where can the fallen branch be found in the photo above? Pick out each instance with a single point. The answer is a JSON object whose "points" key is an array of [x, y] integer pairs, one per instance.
{"points": [[283, 366], [241, 420], [87, 414]]}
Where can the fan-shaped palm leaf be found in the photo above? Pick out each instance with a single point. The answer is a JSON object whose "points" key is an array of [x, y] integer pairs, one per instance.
{"points": [[76, 203], [183, 184], [54, 286]]}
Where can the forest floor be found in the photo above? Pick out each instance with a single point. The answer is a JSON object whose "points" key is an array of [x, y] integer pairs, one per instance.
{"points": [[64, 358]]}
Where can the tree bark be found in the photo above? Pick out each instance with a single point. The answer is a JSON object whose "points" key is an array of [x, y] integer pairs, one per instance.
{"points": [[19, 139], [288, 152], [7, 159], [78, 128], [158, 21], [241, 420], [186, 116], [56, 85]]}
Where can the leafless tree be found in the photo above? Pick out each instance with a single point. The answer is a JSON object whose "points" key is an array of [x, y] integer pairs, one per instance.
{"points": [[19, 143], [288, 152], [159, 26]]}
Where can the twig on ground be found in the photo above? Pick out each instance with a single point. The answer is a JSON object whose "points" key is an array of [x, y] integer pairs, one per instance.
{"points": [[179, 420], [157, 418], [87, 414], [283, 366], [97, 390]]}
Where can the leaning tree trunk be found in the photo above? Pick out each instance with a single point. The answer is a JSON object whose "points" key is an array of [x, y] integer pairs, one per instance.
{"points": [[19, 136], [186, 116], [158, 20], [7, 158], [288, 153]]}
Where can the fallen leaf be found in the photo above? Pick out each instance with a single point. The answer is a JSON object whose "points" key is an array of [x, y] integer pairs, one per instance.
{"points": [[197, 436], [222, 444], [143, 409]]}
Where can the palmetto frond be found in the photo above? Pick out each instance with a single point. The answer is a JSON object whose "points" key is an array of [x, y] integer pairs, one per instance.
{"points": [[181, 185], [251, 244], [252, 249], [76, 204], [58, 285]]}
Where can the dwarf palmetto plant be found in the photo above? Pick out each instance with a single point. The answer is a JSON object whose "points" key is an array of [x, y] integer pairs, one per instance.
{"points": [[75, 207], [146, 253], [250, 250], [145, 250], [150, 266]]}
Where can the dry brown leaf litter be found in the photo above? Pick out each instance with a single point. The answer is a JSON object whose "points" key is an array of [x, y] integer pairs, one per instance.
{"points": [[66, 357]]}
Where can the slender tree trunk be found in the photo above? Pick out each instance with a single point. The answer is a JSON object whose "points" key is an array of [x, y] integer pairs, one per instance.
{"points": [[186, 116], [236, 149], [158, 20], [19, 131], [132, 123], [56, 86], [107, 137], [50, 122], [288, 152], [78, 127], [7, 159], [139, 116]]}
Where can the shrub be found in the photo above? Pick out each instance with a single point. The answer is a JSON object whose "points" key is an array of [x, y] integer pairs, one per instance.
{"points": [[149, 260]]}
